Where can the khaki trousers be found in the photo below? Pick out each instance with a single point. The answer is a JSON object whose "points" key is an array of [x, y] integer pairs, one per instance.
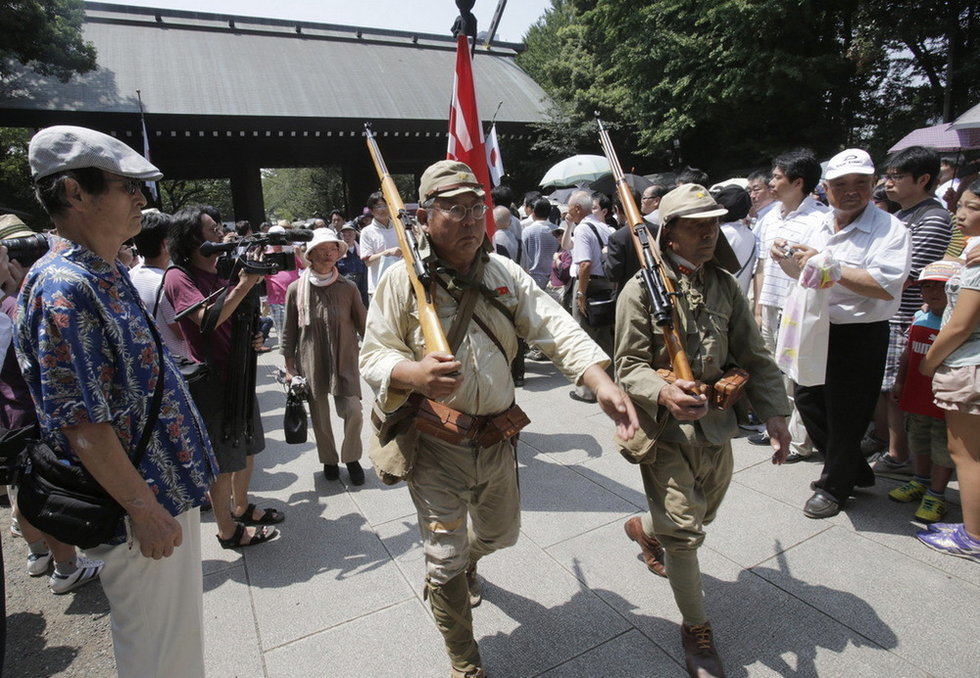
{"points": [[349, 410], [156, 606], [685, 485]]}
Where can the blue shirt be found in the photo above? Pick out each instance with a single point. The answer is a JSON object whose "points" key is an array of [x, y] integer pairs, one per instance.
{"points": [[88, 356]]}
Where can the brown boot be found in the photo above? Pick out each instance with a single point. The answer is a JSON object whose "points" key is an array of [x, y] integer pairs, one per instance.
{"points": [[653, 552], [699, 652], [475, 673], [474, 586]]}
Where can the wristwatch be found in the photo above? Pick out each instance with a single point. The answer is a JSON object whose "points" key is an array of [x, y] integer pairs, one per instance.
{"points": [[579, 295]]}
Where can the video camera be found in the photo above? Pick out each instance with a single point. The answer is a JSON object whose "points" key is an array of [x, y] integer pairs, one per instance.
{"points": [[251, 255], [26, 250]]}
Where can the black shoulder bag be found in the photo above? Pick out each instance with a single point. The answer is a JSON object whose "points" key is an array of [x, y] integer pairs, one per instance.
{"points": [[64, 500]]}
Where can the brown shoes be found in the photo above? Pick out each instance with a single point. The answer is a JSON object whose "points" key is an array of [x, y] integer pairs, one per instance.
{"points": [[653, 552], [699, 652], [475, 673], [474, 586]]}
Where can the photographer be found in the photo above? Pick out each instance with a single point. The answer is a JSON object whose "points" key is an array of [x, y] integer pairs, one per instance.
{"points": [[190, 286]]}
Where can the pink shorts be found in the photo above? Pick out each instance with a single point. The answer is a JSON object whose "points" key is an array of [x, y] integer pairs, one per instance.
{"points": [[956, 388]]}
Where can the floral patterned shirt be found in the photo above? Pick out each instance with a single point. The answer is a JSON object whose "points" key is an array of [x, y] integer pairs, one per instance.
{"points": [[87, 353]]}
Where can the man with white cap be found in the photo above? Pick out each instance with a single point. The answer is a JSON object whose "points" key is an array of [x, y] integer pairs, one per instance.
{"points": [[874, 252], [454, 474], [683, 448], [81, 315]]}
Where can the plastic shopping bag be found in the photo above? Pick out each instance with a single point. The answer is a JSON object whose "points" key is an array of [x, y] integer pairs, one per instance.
{"points": [[804, 331]]}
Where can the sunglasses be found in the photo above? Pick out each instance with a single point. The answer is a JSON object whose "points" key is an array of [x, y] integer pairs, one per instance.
{"points": [[131, 186]]}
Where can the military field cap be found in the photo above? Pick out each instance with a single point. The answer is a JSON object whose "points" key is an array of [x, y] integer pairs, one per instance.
{"points": [[939, 270], [447, 178], [690, 201], [66, 147], [321, 236], [12, 227], [851, 161]]}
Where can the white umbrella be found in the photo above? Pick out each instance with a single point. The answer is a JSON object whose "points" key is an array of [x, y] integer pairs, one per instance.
{"points": [[968, 120], [576, 169]]}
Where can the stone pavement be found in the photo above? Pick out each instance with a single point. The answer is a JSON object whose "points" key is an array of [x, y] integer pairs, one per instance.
{"points": [[339, 593]]}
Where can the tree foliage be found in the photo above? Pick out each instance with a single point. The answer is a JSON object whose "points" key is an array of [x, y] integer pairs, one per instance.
{"points": [[46, 36], [175, 194], [16, 191], [729, 83], [302, 192]]}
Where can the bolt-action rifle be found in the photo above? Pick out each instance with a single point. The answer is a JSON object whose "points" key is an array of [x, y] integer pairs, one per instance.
{"points": [[418, 274], [660, 288]]}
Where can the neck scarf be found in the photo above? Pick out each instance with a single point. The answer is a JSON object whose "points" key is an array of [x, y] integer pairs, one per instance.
{"points": [[308, 278]]}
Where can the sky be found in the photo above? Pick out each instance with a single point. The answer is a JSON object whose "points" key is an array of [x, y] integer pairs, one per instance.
{"points": [[424, 16]]}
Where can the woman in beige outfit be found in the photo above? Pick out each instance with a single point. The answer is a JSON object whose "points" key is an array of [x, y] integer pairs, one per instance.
{"points": [[324, 316]]}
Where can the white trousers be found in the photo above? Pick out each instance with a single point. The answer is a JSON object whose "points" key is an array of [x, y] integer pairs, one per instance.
{"points": [[157, 606]]}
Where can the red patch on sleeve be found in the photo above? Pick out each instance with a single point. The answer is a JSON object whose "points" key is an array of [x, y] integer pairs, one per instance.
{"points": [[502, 291]]}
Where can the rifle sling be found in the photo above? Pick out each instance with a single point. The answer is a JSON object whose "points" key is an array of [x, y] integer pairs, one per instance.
{"points": [[466, 300]]}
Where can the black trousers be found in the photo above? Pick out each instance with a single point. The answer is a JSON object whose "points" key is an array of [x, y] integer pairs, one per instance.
{"points": [[837, 413]]}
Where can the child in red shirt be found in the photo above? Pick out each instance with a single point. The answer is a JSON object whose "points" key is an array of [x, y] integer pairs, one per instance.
{"points": [[925, 423]]}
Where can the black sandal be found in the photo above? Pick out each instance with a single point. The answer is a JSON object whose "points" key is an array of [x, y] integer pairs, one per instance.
{"points": [[269, 516], [262, 535]]}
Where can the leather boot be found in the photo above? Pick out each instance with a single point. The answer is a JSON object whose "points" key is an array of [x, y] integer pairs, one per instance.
{"points": [[653, 552], [699, 652], [451, 608]]}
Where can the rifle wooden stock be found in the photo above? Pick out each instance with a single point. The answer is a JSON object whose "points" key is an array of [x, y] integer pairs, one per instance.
{"points": [[422, 285], [660, 288]]}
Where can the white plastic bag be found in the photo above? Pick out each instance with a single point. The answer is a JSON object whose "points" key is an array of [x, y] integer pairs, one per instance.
{"points": [[804, 332]]}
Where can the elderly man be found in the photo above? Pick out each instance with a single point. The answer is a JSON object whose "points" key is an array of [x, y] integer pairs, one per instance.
{"points": [[81, 315], [874, 251], [453, 474], [683, 446]]}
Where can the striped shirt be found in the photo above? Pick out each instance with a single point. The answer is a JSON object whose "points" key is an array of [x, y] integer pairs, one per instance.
{"points": [[929, 225]]}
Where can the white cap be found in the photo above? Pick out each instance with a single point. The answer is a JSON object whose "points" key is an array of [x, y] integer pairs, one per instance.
{"points": [[277, 229], [322, 236], [851, 161], [66, 147]]}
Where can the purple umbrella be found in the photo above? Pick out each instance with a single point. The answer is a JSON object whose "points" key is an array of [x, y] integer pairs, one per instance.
{"points": [[942, 138]]}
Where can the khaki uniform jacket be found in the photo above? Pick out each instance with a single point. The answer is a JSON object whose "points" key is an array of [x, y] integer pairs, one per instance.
{"points": [[718, 332], [393, 334]]}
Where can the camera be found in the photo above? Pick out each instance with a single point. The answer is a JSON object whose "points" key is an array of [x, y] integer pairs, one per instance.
{"points": [[250, 255], [26, 250]]}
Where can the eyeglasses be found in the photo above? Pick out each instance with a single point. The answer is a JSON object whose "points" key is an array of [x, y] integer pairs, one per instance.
{"points": [[895, 176], [131, 186], [459, 213]]}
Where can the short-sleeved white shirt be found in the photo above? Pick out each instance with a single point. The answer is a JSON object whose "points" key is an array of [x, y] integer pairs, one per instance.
{"points": [[586, 247], [877, 242], [789, 227], [376, 238]]}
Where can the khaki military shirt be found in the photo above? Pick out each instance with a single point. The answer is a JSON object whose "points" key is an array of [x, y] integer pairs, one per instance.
{"points": [[393, 334], [718, 332]]}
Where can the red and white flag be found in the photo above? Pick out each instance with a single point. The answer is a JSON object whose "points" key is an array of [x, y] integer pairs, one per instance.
{"points": [[494, 161], [465, 129]]}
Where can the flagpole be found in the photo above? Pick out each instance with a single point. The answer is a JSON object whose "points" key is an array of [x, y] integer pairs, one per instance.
{"points": [[151, 185]]}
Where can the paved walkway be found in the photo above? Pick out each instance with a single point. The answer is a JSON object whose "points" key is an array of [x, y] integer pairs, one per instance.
{"points": [[338, 594]]}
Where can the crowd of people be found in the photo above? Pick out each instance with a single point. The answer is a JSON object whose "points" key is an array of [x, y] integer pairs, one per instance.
{"points": [[897, 312]]}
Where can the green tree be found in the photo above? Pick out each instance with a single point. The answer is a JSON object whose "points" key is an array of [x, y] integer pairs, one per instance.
{"points": [[16, 191], [175, 194], [46, 36], [295, 193]]}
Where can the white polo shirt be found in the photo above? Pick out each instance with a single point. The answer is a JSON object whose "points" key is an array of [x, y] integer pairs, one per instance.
{"points": [[877, 242]]}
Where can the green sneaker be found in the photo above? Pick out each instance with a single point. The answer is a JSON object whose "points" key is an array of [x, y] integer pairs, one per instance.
{"points": [[932, 509], [910, 491]]}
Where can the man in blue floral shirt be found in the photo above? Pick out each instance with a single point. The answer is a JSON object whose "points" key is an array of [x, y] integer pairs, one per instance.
{"points": [[90, 360]]}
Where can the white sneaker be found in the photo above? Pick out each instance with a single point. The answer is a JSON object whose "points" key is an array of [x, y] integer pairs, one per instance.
{"points": [[37, 563], [86, 572]]}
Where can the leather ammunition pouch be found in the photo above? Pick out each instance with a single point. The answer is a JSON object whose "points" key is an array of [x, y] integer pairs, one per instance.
{"points": [[723, 393], [438, 420]]}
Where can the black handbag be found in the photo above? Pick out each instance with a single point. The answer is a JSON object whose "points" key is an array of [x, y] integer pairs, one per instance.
{"points": [[600, 302], [294, 422], [62, 499]]}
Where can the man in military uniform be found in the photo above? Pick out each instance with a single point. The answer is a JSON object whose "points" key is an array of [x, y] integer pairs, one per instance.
{"points": [[683, 445], [450, 474]]}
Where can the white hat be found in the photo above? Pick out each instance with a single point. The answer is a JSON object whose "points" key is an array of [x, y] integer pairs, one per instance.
{"points": [[66, 147], [277, 229], [851, 161], [325, 235]]}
